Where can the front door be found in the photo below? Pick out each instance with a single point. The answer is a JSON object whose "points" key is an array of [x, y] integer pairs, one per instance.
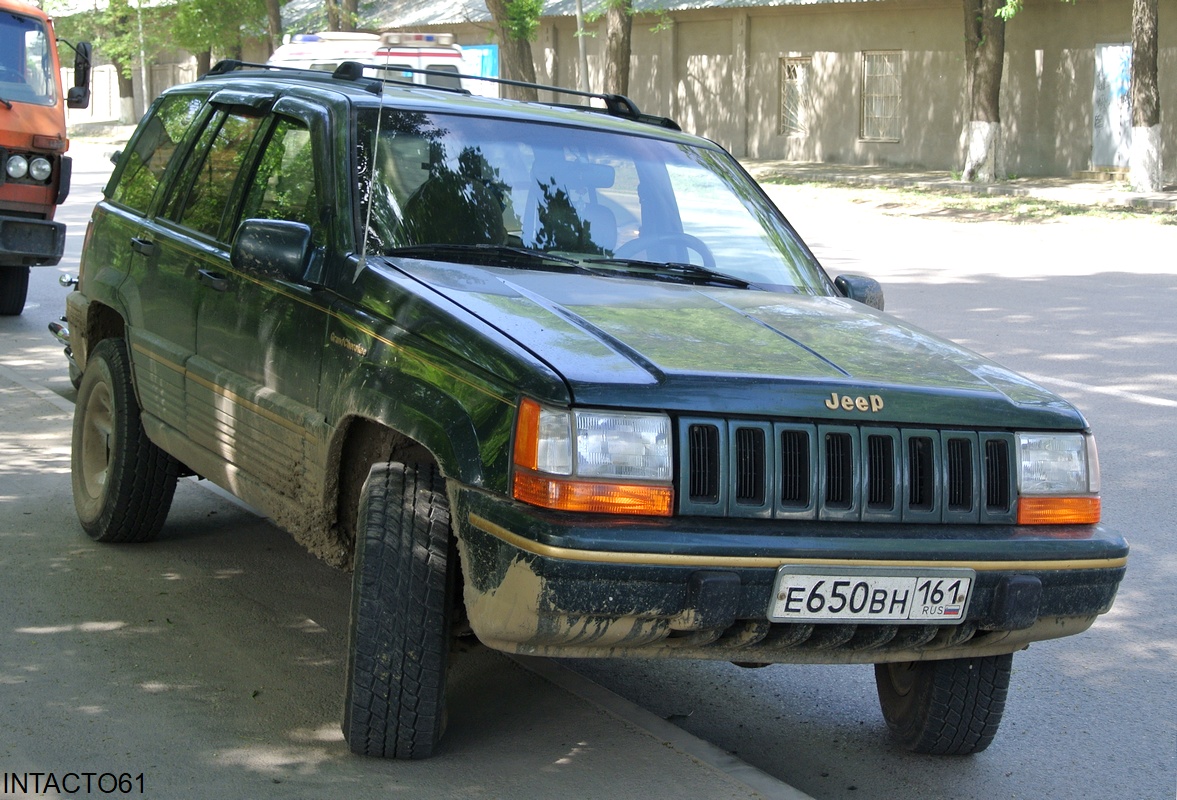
{"points": [[254, 381]]}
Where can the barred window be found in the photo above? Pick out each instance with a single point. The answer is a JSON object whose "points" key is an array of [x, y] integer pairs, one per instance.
{"points": [[881, 80], [794, 112]]}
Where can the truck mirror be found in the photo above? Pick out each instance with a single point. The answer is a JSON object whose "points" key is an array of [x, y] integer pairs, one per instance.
{"points": [[79, 94]]}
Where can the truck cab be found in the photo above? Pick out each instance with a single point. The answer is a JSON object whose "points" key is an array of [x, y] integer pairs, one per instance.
{"points": [[33, 142]]}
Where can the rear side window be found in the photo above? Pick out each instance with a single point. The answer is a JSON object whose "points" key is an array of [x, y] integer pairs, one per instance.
{"points": [[203, 193], [146, 159]]}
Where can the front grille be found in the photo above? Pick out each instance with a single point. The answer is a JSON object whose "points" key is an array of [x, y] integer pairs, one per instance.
{"points": [[755, 468]]}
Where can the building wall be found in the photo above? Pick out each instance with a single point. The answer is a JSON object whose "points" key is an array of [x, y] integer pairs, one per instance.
{"points": [[718, 73]]}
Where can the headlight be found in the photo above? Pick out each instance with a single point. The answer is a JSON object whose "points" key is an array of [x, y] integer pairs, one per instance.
{"points": [[1058, 478], [40, 169], [588, 460], [17, 166], [623, 446]]}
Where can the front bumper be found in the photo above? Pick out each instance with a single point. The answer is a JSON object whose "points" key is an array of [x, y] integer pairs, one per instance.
{"points": [[544, 583], [31, 242]]}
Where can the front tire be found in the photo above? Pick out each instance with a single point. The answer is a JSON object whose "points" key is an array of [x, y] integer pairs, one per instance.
{"points": [[14, 289], [951, 707], [402, 596], [123, 484]]}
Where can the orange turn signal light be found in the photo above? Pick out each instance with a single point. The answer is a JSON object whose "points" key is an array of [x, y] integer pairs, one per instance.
{"points": [[596, 497], [1058, 510], [527, 434]]}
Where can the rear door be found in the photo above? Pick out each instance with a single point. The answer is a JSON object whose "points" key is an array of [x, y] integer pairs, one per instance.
{"points": [[158, 297]]}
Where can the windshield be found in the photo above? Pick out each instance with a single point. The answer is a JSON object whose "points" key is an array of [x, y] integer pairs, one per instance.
{"points": [[26, 62], [612, 201]]}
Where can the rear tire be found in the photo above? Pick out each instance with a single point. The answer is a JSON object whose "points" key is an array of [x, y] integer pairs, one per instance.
{"points": [[402, 595], [123, 484], [951, 707], [14, 289]]}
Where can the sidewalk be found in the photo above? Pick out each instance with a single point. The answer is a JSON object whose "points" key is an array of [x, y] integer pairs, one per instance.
{"points": [[1071, 191]]}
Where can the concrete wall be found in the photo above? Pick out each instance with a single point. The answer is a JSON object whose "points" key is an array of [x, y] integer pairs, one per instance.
{"points": [[717, 72]]}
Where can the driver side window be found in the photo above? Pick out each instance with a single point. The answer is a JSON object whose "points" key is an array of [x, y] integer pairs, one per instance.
{"points": [[283, 186]]}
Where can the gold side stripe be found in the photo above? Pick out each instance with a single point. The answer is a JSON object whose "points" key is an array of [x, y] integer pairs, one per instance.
{"points": [[232, 397], [669, 559]]}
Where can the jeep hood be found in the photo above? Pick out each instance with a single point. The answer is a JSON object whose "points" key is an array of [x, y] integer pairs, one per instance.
{"points": [[619, 341]]}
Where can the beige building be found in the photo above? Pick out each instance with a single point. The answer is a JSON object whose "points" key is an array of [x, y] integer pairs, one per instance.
{"points": [[868, 82]]}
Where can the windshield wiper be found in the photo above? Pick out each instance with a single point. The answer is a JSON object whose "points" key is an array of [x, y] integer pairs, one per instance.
{"points": [[495, 255], [676, 269]]}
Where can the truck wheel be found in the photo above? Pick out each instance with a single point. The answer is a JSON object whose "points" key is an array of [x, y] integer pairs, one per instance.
{"points": [[402, 594], [948, 707], [14, 288], [123, 484]]}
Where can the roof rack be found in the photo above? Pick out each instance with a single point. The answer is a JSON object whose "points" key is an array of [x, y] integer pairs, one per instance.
{"points": [[615, 105]]}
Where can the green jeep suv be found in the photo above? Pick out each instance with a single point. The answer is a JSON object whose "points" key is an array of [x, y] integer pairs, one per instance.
{"points": [[562, 378]]}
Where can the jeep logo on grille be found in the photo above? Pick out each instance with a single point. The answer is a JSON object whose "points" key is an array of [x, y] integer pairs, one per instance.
{"points": [[872, 403]]}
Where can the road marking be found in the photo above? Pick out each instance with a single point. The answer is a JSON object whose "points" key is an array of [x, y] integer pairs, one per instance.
{"points": [[46, 394], [1132, 397]]}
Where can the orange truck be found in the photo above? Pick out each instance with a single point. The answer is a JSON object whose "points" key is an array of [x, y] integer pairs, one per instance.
{"points": [[34, 170]]}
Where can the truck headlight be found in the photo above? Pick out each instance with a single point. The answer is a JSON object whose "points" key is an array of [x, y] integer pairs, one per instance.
{"points": [[17, 166], [593, 460], [40, 169], [1058, 479]]}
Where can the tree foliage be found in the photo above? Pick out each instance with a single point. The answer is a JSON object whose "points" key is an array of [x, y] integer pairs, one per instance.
{"points": [[219, 26], [115, 31], [522, 18]]}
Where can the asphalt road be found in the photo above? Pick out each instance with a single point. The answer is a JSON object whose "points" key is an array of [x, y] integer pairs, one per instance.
{"points": [[1082, 305]]}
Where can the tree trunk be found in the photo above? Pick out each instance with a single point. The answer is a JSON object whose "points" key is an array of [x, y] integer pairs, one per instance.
{"points": [[985, 49], [332, 8], [204, 62], [618, 27], [515, 61], [126, 92], [349, 14], [1144, 161], [274, 20]]}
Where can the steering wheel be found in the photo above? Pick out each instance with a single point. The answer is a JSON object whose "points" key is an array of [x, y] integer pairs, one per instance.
{"points": [[651, 244], [10, 75]]}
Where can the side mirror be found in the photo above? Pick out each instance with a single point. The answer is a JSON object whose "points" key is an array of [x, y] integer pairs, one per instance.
{"points": [[861, 288], [78, 95], [272, 247]]}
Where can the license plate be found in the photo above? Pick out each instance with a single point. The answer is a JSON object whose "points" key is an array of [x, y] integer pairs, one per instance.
{"points": [[878, 595]]}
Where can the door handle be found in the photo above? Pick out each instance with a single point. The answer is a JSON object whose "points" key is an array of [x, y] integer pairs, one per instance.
{"points": [[214, 279], [143, 247]]}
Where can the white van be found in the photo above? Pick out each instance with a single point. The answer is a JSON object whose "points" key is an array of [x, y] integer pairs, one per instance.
{"points": [[326, 50]]}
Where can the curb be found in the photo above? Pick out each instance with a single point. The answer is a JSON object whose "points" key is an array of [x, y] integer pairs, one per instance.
{"points": [[668, 733]]}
